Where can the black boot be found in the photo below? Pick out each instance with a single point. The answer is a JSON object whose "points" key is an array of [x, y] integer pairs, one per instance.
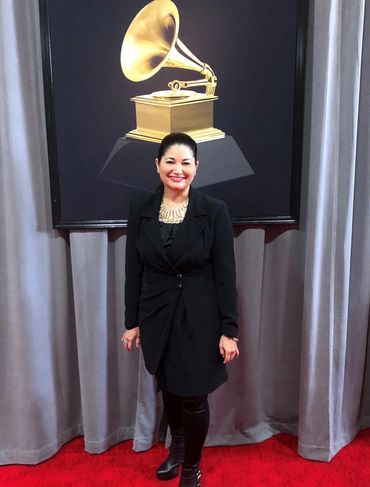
{"points": [[169, 469], [190, 476], [196, 421]]}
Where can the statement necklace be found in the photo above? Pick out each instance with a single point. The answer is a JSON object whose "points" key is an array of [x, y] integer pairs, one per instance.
{"points": [[173, 215]]}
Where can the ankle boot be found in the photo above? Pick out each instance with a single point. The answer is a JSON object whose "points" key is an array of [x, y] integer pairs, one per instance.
{"points": [[190, 476], [169, 469]]}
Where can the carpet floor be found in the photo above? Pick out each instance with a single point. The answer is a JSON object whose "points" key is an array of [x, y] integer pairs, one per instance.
{"points": [[272, 463]]}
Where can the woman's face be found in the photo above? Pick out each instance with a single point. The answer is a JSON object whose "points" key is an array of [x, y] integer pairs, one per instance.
{"points": [[177, 167]]}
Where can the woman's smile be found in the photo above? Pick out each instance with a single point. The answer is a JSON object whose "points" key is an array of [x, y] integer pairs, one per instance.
{"points": [[176, 178]]}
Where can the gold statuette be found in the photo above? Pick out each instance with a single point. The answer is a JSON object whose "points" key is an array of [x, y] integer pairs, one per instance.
{"points": [[151, 43]]}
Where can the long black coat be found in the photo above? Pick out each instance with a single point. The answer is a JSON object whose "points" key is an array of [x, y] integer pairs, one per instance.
{"points": [[191, 284]]}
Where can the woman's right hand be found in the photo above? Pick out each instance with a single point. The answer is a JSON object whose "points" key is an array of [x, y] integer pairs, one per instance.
{"points": [[129, 337]]}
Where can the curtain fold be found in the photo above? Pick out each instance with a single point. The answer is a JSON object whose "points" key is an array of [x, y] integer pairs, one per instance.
{"points": [[39, 386], [359, 310], [303, 294], [331, 288], [108, 377]]}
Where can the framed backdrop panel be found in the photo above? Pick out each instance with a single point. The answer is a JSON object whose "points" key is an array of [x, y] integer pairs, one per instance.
{"points": [[256, 50]]}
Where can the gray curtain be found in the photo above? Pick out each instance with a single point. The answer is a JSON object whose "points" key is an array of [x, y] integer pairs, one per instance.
{"points": [[303, 293], [336, 286]]}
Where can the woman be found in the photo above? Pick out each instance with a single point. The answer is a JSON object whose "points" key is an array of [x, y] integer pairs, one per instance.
{"points": [[181, 299]]}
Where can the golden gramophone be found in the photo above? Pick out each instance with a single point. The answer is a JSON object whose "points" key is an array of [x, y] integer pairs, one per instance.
{"points": [[151, 43]]}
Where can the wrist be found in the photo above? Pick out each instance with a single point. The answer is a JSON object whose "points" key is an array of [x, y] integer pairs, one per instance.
{"points": [[234, 339]]}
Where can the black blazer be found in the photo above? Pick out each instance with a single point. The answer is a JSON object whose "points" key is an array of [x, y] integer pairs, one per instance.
{"points": [[197, 269]]}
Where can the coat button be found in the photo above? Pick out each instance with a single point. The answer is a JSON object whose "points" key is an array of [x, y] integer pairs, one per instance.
{"points": [[179, 286], [179, 277]]}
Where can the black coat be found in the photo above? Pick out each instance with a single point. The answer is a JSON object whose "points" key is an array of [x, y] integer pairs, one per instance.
{"points": [[191, 284]]}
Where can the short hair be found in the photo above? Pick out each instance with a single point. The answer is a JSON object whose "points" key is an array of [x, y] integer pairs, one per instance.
{"points": [[177, 138]]}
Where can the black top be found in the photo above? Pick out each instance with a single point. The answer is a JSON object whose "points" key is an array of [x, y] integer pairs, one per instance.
{"points": [[168, 233]]}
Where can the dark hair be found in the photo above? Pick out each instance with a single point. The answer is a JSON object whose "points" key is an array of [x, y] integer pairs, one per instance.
{"points": [[178, 138]]}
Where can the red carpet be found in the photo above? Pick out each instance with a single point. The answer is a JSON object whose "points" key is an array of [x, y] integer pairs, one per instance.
{"points": [[271, 463]]}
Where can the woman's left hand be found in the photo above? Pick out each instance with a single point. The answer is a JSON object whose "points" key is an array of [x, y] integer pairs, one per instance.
{"points": [[131, 336], [228, 349]]}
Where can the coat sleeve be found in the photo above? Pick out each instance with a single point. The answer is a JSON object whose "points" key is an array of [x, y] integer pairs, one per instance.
{"points": [[223, 261], [133, 270]]}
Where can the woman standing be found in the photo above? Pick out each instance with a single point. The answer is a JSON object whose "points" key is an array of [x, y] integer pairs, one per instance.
{"points": [[181, 299]]}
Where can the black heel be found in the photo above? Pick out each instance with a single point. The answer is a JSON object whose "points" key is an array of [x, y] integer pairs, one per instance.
{"points": [[169, 469], [190, 476]]}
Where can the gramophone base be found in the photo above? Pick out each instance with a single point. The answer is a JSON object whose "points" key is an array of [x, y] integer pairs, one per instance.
{"points": [[157, 117], [131, 164], [197, 135]]}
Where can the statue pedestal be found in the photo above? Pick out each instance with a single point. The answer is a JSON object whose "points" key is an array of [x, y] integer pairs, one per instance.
{"points": [[131, 163]]}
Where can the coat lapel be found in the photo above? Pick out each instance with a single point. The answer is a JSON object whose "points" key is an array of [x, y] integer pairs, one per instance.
{"points": [[194, 222], [150, 224]]}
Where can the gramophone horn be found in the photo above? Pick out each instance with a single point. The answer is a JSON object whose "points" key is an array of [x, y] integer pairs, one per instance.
{"points": [[151, 43]]}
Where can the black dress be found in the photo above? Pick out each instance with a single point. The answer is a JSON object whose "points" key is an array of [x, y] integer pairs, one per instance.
{"points": [[176, 374], [180, 290]]}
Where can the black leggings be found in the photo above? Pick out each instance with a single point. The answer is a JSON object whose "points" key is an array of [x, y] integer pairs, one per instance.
{"points": [[192, 415]]}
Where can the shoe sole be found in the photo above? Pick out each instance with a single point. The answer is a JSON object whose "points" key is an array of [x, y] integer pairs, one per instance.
{"points": [[167, 476]]}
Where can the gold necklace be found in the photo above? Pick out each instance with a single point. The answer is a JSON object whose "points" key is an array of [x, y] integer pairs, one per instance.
{"points": [[173, 215]]}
